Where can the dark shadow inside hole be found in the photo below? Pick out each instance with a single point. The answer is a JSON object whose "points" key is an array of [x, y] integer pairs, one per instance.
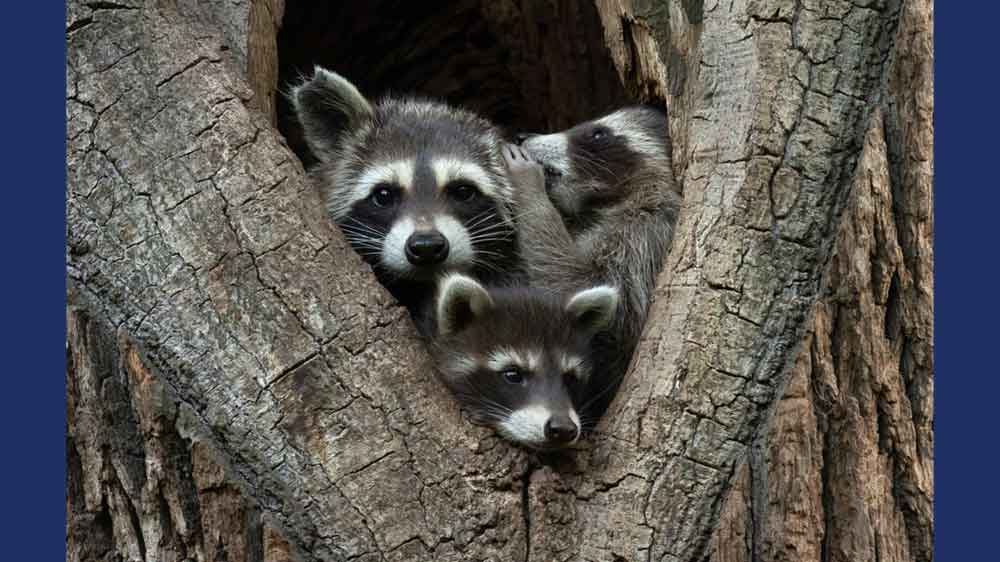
{"points": [[532, 66]]}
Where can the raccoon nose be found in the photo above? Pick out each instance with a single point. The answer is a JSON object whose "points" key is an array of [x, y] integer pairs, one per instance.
{"points": [[560, 429], [426, 248], [521, 137]]}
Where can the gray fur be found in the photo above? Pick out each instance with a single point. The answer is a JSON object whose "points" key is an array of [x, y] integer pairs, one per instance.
{"points": [[460, 300], [329, 105], [421, 155], [600, 215], [347, 133], [484, 333]]}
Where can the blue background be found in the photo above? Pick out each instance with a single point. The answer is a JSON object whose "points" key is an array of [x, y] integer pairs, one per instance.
{"points": [[32, 416], [33, 363], [967, 229]]}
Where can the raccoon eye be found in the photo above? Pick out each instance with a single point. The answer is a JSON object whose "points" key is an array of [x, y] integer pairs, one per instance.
{"points": [[383, 196], [513, 375], [463, 192], [598, 133]]}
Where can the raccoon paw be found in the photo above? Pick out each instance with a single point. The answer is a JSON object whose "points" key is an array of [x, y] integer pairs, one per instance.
{"points": [[525, 174]]}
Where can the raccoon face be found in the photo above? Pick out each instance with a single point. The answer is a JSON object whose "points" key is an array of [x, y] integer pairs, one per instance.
{"points": [[518, 359], [417, 187], [419, 217], [594, 164]]}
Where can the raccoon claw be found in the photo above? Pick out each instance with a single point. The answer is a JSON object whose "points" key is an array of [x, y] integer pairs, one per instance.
{"points": [[516, 156], [525, 173]]}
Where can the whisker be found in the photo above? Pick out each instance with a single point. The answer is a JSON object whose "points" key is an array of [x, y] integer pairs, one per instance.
{"points": [[480, 398], [611, 385], [489, 239], [493, 227], [496, 406], [480, 218], [358, 225]]}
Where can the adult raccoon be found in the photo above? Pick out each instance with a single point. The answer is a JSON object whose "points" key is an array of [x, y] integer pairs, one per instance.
{"points": [[419, 188]]}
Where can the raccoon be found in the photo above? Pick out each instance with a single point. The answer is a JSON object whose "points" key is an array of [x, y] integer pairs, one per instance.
{"points": [[519, 359], [597, 205], [418, 188]]}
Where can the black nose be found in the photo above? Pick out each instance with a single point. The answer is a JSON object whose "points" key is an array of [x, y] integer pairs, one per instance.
{"points": [[560, 429], [521, 137], [426, 248]]}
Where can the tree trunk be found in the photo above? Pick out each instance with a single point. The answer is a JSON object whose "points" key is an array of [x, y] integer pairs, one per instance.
{"points": [[845, 469], [241, 388]]}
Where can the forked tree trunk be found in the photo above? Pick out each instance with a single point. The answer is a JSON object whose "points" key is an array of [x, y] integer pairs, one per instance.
{"points": [[241, 388]]}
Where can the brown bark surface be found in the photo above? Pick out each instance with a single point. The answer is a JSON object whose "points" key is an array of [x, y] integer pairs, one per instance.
{"points": [[242, 388], [845, 470], [144, 482]]}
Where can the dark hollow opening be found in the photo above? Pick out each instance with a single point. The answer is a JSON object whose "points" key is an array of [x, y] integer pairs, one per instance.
{"points": [[531, 66]]}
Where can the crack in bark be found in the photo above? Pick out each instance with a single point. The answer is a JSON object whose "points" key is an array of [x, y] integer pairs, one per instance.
{"points": [[109, 6], [183, 69], [76, 25]]}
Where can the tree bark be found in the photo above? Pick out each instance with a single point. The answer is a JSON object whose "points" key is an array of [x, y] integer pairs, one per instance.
{"points": [[845, 470], [241, 388]]}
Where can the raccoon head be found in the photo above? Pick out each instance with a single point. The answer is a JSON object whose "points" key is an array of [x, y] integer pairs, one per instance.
{"points": [[418, 188], [596, 164], [519, 359]]}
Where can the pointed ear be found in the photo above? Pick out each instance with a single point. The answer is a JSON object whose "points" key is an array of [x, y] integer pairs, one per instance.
{"points": [[594, 309], [327, 106], [461, 300]]}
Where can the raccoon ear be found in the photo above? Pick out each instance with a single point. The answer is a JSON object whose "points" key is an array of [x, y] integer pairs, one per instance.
{"points": [[594, 309], [328, 105], [461, 300]]}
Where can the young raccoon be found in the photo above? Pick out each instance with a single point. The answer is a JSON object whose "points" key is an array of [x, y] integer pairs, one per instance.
{"points": [[600, 209], [418, 188], [519, 359]]}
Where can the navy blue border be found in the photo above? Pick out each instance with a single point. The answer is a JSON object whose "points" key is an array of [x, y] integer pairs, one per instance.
{"points": [[33, 364], [967, 232]]}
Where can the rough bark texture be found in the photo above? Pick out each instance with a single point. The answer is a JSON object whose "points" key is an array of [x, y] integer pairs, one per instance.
{"points": [[845, 470], [242, 389], [143, 482]]}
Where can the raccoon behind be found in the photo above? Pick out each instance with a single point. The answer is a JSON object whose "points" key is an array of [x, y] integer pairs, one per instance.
{"points": [[520, 359], [599, 208], [419, 188]]}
